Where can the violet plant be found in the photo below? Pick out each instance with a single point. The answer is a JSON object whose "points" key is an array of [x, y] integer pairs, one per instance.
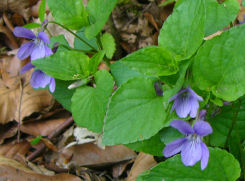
{"points": [[156, 85]]}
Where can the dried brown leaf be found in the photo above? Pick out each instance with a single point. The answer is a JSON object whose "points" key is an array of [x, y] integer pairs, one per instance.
{"points": [[21, 7], [42, 127], [13, 170], [7, 131], [91, 155], [11, 89], [10, 40], [143, 162], [15, 150]]}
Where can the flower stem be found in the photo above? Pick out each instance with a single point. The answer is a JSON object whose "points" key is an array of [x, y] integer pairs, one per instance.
{"points": [[72, 33], [233, 123], [79, 50]]}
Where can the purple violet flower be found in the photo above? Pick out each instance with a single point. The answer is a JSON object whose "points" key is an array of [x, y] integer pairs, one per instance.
{"points": [[39, 79], [191, 147], [186, 102], [37, 48]]}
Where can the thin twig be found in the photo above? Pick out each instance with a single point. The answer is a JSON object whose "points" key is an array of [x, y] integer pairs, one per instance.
{"points": [[52, 135], [19, 111]]}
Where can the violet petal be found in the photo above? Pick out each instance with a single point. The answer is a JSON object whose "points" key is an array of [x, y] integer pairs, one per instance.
{"points": [[177, 95], [24, 33], [38, 51], [25, 50], [195, 94], [194, 107], [26, 68], [191, 152], [183, 107], [205, 156], [174, 147], [48, 51], [182, 126], [202, 128], [39, 79], [52, 85], [44, 37]]}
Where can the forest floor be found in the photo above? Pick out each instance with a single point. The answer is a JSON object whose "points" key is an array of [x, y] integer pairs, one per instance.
{"points": [[38, 138]]}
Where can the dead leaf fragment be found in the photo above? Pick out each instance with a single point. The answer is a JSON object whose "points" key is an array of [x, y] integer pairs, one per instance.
{"points": [[15, 150], [7, 131], [13, 170], [42, 127], [143, 162], [11, 86], [91, 155]]}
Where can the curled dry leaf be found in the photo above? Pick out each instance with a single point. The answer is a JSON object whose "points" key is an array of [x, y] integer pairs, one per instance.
{"points": [[7, 131], [13, 170], [42, 127], [15, 150], [91, 155], [12, 87], [143, 162], [10, 40]]}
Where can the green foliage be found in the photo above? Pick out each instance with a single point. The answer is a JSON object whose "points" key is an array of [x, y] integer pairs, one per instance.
{"points": [[228, 119], [219, 65], [78, 44], [89, 104], [182, 33], [152, 146], [108, 44], [42, 9], [95, 61], [219, 16], [36, 140], [32, 25], [122, 73], [70, 13], [62, 94], [69, 65], [154, 61], [222, 166], [136, 109], [100, 11]]}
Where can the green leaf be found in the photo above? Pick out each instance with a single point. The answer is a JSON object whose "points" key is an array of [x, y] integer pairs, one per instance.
{"points": [[221, 166], [32, 25], [108, 44], [59, 39], [183, 31], [123, 73], [78, 44], [152, 61], [170, 134], [64, 65], [219, 65], [222, 123], [70, 13], [135, 113], [178, 83], [95, 61], [152, 146], [89, 104], [36, 140], [100, 12], [42, 9], [243, 2], [219, 16], [62, 94]]}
